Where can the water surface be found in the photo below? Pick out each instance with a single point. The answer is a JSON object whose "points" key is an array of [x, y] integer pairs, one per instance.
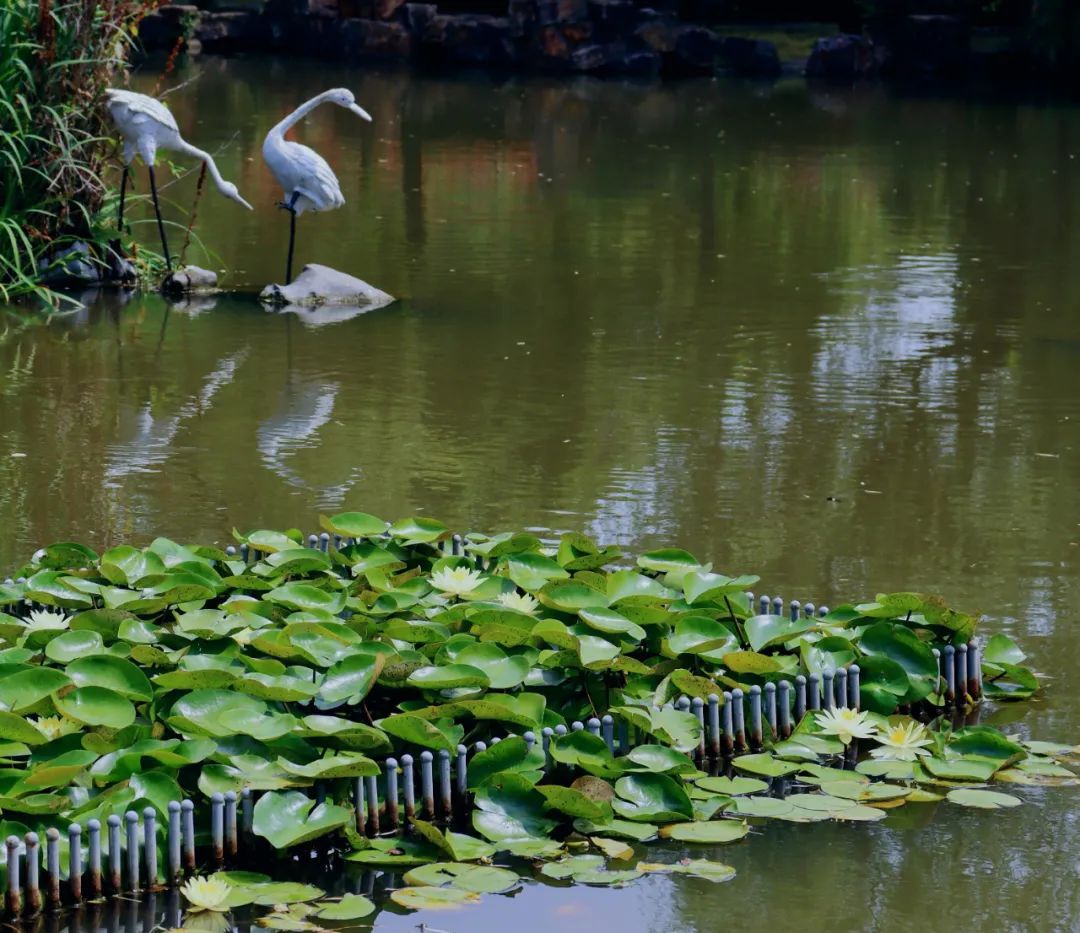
{"points": [[826, 336]]}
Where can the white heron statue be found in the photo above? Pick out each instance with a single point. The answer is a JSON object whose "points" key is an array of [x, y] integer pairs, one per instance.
{"points": [[307, 180], [146, 126]]}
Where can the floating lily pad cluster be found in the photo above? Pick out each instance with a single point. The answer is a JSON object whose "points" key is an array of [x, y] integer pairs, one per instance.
{"points": [[144, 675]]}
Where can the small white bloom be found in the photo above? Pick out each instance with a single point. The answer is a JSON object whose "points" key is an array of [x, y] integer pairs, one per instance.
{"points": [[846, 724], [45, 619], [54, 727], [207, 893], [519, 602], [903, 742], [457, 581]]}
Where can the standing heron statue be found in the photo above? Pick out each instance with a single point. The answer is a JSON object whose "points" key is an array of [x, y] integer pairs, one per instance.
{"points": [[307, 180], [146, 126]]}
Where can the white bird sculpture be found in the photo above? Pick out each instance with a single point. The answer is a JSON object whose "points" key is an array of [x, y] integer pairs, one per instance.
{"points": [[146, 125], [307, 180]]}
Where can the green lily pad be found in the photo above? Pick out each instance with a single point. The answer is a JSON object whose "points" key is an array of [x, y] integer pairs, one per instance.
{"points": [[651, 798], [428, 898], [481, 879], [289, 818], [982, 799], [350, 907], [696, 868], [714, 831]]}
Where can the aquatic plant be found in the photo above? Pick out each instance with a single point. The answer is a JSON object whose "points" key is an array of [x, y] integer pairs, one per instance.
{"points": [[329, 679]]}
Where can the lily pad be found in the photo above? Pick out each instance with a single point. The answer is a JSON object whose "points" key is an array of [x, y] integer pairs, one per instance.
{"points": [[714, 831]]}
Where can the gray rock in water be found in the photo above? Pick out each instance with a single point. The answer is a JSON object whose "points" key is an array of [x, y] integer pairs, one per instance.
{"points": [[320, 285], [191, 280]]}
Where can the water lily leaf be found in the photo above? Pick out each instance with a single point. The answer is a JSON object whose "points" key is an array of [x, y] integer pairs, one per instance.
{"points": [[961, 769], [53, 588], [96, 706], [413, 531], [733, 786], [353, 524], [59, 771], [396, 853], [860, 814], [68, 646], [985, 742], [346, 764], [627, 587], [901, 645], [764, 765], [503, 672], [982, 799], [703, 587], [820, 802], [599, 876], [768, 630], [507, 807], [269, 893], [511, 754], [611, 622], [350, 907], [668, 560], [15, 728], [480, 879], [351, 678], [714, 831], [587, 752], [696, 868], [570, 597], [703, 637], [428, 898], [569, 867], [304, 597], [613, 848], [532, 848], [115, 674], [1000, 649], [25, 689], [890, 770], [422, 731], [658, 759], [622, 829], [448, 677], [158, 787], [574, 803], [463, 848], [750, 662], [651, 797], [289, 818], [761, 806]]}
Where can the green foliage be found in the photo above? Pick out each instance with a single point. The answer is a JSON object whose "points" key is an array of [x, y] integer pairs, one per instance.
{"points": [[56, 59]]}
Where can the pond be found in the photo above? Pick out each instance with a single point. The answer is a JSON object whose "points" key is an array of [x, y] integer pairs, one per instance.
{"points": [[827, 336]]}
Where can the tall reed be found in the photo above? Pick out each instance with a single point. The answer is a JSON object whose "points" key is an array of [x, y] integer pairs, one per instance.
{"points": [[56, 59]]}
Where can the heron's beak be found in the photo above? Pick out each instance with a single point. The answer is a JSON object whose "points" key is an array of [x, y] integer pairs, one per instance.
{"points": [[360, 111], [240, 200]]}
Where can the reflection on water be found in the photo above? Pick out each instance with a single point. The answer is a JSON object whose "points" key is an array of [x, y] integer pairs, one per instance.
{"points": [[823, 336]]}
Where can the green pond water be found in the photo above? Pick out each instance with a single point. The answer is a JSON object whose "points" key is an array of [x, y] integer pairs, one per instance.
{"points": [[827, 336]]}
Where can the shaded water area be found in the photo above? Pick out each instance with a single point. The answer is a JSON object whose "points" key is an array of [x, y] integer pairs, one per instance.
{"points": [[826, 336]]}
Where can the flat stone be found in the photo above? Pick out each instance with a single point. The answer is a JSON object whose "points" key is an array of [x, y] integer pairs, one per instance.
{"points": [[191, 280], [318, 286]]}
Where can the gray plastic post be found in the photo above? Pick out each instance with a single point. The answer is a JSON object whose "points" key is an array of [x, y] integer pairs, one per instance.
{"points": [[794, 607], [131, 820], [446, 786], [217, 826], [808, 610], [173, 841], [52, 864], [75, 868], [697, 707], [961, 673], [974, 669], [737, 718], [770, 706], [115, 878], [947, 660], [853, 686], [390, 768], [828, 698], [593, 725], [150, 845], [247, 810], [800, 697], [728, 741], [682, 704], [324, 542], [371, 792], [714, 725], [230, 551], [577, 725], [33, 873], [545, 742], [937, 658], [244, 553], [783, 702], [496, 740], [358, 805], [607, 729], [232, 843], [187, 824], [822, 611], [14, 890], [93, 835], [813, 691], [461, 770], [624, 736], [778, 606], [408, 787], [313, 542], [841, 687], [764, 603], [757, 737], [427, 785], [560, 730]]}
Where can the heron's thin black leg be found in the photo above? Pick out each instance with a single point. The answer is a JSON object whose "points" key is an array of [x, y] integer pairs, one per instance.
{"points": [[291, 208], [123, 189], [160, 224]]}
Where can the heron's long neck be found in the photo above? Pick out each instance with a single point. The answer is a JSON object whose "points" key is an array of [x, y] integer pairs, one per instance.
{"points": [[207, 159], [279, 131]]}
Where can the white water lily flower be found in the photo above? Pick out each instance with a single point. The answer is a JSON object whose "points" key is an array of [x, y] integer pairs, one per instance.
{"points": [[846, 724], [206, 893], [457, 581], [45, 619], [54, 727], [903, 742], [519, 602]]}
